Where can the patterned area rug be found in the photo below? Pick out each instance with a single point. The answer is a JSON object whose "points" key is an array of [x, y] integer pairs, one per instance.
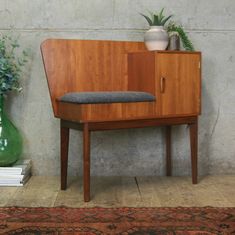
{"points": [[135, 221]]}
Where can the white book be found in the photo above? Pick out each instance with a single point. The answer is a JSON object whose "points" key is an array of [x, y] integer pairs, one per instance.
{"points": [[15, 182], [11, 177], [11, 174], [19, 168], [11, 185]]}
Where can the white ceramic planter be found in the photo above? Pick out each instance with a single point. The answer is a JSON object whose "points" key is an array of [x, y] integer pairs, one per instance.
{"points": [[156, 38]]}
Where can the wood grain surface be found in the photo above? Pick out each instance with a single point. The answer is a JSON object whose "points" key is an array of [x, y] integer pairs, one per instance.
{"points": [[174, 77], [86, 65]]}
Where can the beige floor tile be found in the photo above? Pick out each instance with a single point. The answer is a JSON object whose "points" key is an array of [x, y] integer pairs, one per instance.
{"points": [[202, 196], [44, 183], [39, 191], [179, 191], [105, 191], [72, 196], [218, 179], [5, 194], [147, 191], [118, 190], [32, 202], [160, 191], [224, 185], [124, 191]]}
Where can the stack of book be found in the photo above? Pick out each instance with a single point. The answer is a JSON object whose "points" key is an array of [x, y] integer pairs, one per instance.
{"points": [[16, 175]]}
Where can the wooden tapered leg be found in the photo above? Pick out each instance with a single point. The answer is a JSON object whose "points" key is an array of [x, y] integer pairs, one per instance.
{"points": [[86, 162], [194, 149], [168, 151], [64, 147]]}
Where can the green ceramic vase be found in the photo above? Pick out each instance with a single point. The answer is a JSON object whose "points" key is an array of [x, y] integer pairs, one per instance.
{"points": [[10, 139]]}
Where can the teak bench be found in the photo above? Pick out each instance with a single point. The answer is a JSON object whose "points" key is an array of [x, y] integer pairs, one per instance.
{"points": [[104, 85]]}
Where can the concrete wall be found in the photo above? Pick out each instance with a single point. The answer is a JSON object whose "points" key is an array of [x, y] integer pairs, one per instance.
{"points": [[211, 26]]}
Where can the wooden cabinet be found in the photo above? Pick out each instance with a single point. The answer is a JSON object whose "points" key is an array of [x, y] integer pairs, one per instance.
{"points": [[86, 65], [173, 77]]}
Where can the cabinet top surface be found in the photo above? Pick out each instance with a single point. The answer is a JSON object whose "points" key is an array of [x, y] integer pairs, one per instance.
{"points": [[165, 52]]}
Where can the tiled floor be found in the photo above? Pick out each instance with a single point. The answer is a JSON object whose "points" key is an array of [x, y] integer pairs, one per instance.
{"points": [[218, 191]]}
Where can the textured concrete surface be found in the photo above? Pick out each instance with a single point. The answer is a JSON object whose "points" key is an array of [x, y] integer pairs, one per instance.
{"points": [[116, 191], [130, 152]]}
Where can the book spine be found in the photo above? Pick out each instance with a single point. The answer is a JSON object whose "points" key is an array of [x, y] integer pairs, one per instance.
{"points": [[11, 185]]}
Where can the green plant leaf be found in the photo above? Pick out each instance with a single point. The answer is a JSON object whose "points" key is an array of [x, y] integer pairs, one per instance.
{"points": [[11, 62], [187, 44], [151, 15], [161, 16], [166, 19], [156, 20], [148, 19]]}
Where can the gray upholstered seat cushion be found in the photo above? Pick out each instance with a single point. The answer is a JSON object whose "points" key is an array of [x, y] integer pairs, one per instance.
{"points": [[107, 97]]}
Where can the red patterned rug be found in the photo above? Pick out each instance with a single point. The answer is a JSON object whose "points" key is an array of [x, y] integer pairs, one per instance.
{"points": [[135, 221]]}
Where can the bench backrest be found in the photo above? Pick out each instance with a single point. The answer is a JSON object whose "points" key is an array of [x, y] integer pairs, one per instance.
{"points": [[86, 65]]}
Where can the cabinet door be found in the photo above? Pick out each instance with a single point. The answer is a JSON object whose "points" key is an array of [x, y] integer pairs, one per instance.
{"points": [[178, 80]]}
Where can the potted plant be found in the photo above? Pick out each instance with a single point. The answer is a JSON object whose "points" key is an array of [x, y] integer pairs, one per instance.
{"points": [[156, 38], [11, 62], [177, 30]]}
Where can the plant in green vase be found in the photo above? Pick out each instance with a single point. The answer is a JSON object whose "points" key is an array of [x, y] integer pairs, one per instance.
{"points": [[11, 63]]}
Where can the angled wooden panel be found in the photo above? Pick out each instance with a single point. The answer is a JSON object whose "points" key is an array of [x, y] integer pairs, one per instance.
{"points": [[86, 65]]}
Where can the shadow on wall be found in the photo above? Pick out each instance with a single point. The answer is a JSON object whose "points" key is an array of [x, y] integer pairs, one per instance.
{"points": [[207, 121]]}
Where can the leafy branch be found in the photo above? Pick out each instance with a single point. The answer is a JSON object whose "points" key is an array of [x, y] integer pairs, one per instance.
{"points": [[187, 44], [11, 63]]}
